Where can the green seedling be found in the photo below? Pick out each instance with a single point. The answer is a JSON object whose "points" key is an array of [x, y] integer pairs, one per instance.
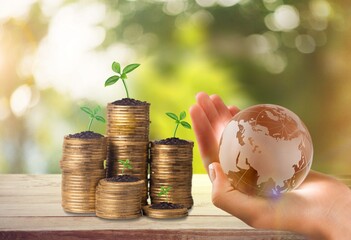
{"points": [[126, 165], [121, 74], [164, 192], [179, 120], [93, 114]]}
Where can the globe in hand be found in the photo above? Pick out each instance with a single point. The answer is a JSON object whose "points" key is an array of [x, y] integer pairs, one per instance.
{"points": [[266, 150]]}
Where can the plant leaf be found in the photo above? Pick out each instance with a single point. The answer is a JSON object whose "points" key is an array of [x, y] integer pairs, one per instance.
{"points": [[87, 110], [105, 163], [116, 67], [97, 109], [162, 191], [172, 115], [182, 115], [111, 80], [124, 76], [130, 67], [100, 119], [185, 124]]}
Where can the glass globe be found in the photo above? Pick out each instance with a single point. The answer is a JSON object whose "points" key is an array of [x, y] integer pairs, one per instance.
{"points": [[266, 150]]}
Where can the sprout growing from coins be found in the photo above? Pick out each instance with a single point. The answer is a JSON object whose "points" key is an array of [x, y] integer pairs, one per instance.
{"points": [[93, 114], [164, 191], [125, 165], [121, 74], [179, 120]]}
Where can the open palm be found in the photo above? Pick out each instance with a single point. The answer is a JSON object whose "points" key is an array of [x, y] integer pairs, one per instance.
{"points": [[317, 208], [210, 115]]}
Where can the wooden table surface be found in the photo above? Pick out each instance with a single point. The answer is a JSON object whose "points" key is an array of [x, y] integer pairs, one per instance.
{"points": [[30, 207]]}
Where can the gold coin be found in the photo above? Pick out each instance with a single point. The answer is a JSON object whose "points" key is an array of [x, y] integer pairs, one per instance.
{"points": [[165, 213], [117, 200]]}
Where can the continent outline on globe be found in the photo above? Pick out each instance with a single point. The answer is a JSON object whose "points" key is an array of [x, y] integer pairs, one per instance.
{"points": [[266, 150]]}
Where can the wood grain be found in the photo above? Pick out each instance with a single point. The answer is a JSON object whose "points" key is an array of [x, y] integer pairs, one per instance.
{"points": [[194, 234], [30, 208]]}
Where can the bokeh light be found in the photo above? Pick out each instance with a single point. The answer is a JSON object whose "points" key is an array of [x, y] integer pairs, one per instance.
{"points": [[305, 43], [20, 100], [286, 18]]}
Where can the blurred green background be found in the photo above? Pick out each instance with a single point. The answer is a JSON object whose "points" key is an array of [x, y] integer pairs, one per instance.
{"points": [[55, 56]]}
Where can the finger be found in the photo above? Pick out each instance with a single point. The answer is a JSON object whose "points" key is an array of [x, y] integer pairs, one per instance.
{"points": [[210, 110], [233, 110], [223, 111], [232, 201], [206, 140]]}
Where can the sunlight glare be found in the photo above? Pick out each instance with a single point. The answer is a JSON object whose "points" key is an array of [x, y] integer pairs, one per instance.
{"points": [[14, 8], [66, 59]]}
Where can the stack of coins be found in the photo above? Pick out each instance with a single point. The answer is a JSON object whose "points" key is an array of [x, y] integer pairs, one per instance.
{"points": [[118, 200], [165, 213], [128, 134], [82, 168], [171, 165]]}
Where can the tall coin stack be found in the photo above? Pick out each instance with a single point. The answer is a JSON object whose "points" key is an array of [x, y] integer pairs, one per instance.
{"points": [[171, 165], [118, 200], [128, 134], [82, 168]]}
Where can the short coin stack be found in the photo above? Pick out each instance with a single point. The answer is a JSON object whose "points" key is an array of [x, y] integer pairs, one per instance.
{"points": [[165, 213], [118, 200], [82, 168], [171, 165], [128, 134]]}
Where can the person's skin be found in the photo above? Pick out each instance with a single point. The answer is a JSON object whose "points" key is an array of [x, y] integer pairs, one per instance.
{"points": [[320, 208]]}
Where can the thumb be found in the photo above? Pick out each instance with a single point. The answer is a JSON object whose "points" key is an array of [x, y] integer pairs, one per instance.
{"points": [[221, 187], [219, 179], [225, 197]]}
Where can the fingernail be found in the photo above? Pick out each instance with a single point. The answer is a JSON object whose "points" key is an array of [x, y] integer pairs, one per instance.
{"points": [[212, 172]]}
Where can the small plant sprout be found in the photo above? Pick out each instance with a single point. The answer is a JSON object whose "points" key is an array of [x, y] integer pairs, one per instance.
{"points": [[120, 74], [164, 191], [93, 114], [126, 165], [179, 120]]}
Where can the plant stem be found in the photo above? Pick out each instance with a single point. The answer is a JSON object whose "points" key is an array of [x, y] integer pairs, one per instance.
{"points": [[91, 121], [125, 87], [175, 130]]}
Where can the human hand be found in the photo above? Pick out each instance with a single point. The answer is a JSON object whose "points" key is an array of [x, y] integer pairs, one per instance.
{"points": [[320, 208], [210, 116]]}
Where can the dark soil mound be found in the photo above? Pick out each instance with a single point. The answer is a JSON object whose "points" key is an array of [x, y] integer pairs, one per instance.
{"points": [[123, 178], [165, 205], [85, 135], [172, 141], [130, 102]]}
